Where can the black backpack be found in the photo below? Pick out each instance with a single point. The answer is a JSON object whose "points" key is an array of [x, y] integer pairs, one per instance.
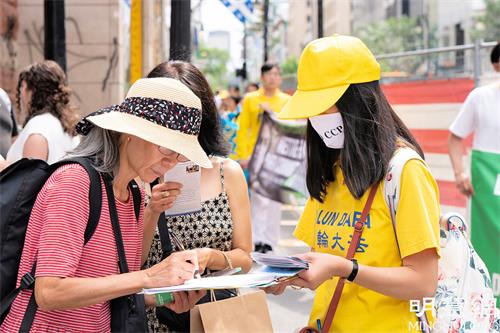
{"points": [[19, 187]]}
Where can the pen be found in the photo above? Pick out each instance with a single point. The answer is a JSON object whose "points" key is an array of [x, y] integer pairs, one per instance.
{"points": [[177, 242], [318, 323]]}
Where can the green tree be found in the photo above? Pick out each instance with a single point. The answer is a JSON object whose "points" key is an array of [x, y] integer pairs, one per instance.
{"points": [[487, 26], [213, 63], [397, 35], [290, 65]]}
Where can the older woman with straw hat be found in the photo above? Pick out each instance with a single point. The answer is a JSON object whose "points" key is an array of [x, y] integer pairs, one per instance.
{"points": [[154, 127]]}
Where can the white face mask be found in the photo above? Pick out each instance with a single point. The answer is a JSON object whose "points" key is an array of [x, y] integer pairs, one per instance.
{"points": [[330, 128]]}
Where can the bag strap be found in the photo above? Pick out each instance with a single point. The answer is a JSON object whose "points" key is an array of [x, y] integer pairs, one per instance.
{"points": [[95, 197], [222, 175], [122, 259], [95, 192], [358, 231], [166, 244], [27, 282], [137, 197], [392, 180], [392, 193], [29, 315]]}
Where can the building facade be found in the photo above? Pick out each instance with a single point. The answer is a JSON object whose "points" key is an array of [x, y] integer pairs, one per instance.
{"points": [[97, 45]]}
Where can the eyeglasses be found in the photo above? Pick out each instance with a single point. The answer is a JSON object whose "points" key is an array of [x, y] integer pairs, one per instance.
{"points": [[170, 153]]}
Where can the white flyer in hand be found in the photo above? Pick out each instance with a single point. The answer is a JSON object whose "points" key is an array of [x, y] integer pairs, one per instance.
{"points": [[189, 200]]}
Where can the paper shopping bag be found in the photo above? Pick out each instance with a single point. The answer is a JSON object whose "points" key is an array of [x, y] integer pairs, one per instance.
{"points": [[195, 325], [247, 313]]}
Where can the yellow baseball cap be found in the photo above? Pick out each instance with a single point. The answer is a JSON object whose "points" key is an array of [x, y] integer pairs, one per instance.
{"points": [[327, 67], [223, 94]]}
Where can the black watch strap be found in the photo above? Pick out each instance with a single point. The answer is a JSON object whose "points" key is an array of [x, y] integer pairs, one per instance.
{"points": [[354, 272]]}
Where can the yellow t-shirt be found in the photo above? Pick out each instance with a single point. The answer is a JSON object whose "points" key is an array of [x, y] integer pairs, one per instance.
{"points": [[328, 227], [250, 118]]}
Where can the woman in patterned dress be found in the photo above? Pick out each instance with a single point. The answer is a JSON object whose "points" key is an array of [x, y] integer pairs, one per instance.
{"points": [[221, 231]]}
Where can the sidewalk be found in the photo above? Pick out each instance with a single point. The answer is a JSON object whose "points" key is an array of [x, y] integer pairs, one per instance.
{"points": [[290, 311]]}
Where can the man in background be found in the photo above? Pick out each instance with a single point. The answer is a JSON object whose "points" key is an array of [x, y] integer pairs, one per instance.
{"points": [[234, 91], [480, 115], [266, 213]]}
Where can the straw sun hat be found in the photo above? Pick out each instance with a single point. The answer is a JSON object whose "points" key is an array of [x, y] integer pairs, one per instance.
{"points": [[162, 111]]}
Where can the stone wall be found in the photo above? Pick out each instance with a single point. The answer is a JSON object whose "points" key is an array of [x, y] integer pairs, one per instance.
{"points": [[96, 46], [9, 27]]}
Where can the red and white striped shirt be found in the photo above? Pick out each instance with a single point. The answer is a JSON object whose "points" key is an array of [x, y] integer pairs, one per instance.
{"points": [[55, 238]]}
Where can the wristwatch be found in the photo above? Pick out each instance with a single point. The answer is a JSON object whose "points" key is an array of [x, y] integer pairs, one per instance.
{"points": [[354, 272]]}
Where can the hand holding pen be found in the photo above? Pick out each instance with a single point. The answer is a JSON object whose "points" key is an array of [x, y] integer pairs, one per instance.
{"points": [[176, 242], [173, 270]]}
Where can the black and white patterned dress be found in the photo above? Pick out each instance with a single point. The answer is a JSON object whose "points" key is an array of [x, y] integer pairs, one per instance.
{"points": [[211, 227]]}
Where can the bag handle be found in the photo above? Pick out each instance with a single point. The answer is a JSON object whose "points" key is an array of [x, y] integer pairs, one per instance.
{"points": [[230, 265], [358, 231]]}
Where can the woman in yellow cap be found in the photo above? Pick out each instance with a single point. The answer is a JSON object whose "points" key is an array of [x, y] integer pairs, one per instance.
{"points": [[352, 136]]}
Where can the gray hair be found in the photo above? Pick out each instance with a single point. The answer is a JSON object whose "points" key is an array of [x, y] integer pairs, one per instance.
{"points": [[102, 146]]}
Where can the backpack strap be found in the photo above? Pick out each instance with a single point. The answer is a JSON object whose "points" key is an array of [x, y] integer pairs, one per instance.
{"points": [[95, 196], [392, 181], [27, 282], [392, 192], [29, 315], [95, 192]]}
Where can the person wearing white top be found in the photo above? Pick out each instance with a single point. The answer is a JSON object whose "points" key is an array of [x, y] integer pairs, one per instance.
{"points": [[47, 130], [49, 126], [480, 114]]}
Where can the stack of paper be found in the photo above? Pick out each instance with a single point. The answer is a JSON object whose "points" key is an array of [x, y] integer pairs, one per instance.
{"points": [[274, 269], [218, 282], [276, 261]]}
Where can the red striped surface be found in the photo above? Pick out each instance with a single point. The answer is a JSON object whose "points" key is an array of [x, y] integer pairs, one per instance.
{"points": [[435, 140], [449, 194], [431, 91]]}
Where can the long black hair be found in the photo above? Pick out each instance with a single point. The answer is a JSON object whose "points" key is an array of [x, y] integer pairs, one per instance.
{"points": [[371, 133], [210, 138]]}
